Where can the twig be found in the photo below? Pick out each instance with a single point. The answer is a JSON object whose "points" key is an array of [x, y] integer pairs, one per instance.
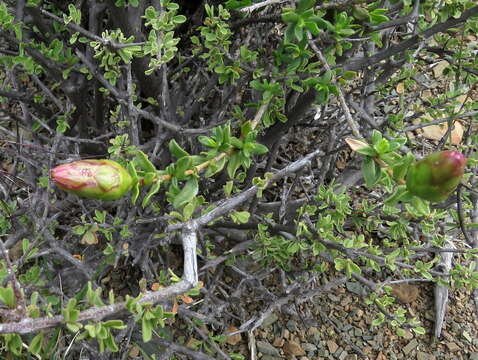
{"points": [[361, 62], [440, 121], [351, 122], [251, 8], [96, 313]]}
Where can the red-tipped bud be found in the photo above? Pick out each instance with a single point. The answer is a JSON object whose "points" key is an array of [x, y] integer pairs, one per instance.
{"points": [[93, 179], [435, 177]]}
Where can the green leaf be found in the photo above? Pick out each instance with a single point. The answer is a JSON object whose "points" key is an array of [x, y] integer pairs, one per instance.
{"points": [[401, 332], [371, 171], [177, 150], [215, 167], [228, 188], [146, 329], [207, 141], [7, 296], [382, 146], [290, 17], [36, 344], [259, 149], [181, 166], [187, 193], [419, 330], [143, 162], [305, 5], [240, 217], [152, 191], [233, 164], [299, 33], [179, 19], [376, 136]]}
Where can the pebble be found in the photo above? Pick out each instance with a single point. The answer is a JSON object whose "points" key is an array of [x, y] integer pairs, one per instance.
{"points": [[313, 334], [452, 347], [272, 318], [308, 347], [408, 335], [333, 297], [424, 356], [278, 342], [474, 356], [332, 346], [234, 339], [343, 355], [358, 332], [292, 326], [410, 346], [293, 348], [269, 357], [266, 348]]}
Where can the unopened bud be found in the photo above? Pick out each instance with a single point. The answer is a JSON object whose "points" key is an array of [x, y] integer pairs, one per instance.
{"points": [[93, 179], [435, 177]]}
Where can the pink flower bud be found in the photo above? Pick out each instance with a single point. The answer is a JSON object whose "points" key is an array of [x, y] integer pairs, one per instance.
{"points": [[435, 177], [93, 179]]}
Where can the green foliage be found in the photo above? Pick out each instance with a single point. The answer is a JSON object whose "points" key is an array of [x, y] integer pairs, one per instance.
{"points": [[376, 228], [149, 316], [161, 43]]}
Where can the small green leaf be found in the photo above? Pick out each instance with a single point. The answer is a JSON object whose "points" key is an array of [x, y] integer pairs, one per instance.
{"points": [[187, 193], [152, 191], [240, 217], [176, 150], [419, 330], [144, 163], [181, 166], [7, 296], [146, 329], [233, 164], [371, 171], [36, 344], [401, 332]]}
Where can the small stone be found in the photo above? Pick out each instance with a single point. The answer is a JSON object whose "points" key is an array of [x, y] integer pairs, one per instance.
{"points": [[343, 355], [358, 332], [308, 347], [338, 352], [293, 348], [332, 346], [474, 356], [333, 297], [453, 347], [313, 334], [234, 339], [272, 318], [291, 325], [408, 335], [278, 342], [269, 357], [285, 333], [359, 313], [266, 348], [410, 346], [423, 356]]}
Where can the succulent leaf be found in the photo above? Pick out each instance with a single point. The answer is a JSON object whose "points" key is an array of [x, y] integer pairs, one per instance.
{"points": [[435, 177], [93, 179]]}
